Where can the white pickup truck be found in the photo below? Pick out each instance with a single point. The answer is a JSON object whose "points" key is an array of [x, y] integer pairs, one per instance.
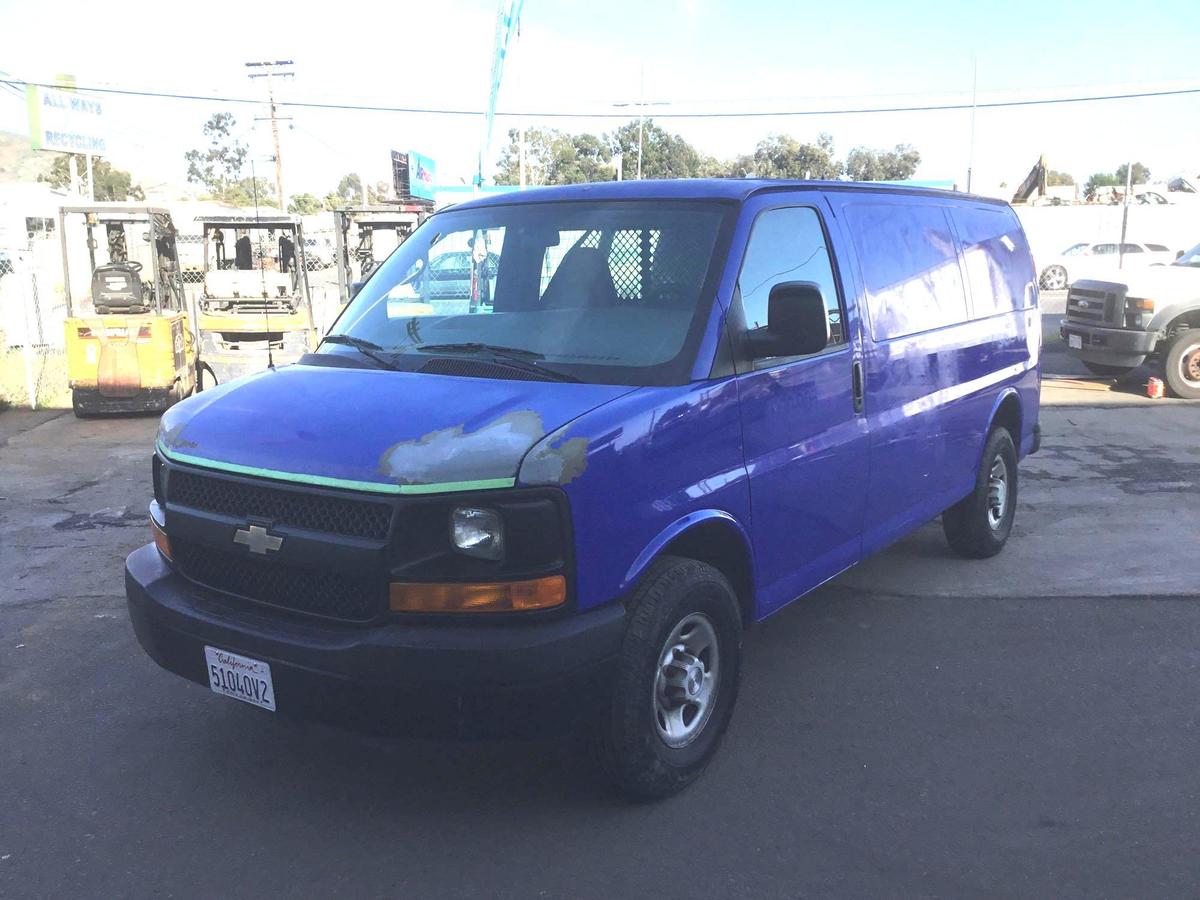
{"points": [[1115, 326]]}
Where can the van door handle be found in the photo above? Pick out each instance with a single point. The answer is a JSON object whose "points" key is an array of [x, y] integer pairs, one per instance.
{"points": [[856, 378]]}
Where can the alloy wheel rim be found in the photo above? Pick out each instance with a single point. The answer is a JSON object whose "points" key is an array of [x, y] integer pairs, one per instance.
{"points": [[686, 680], [1189, 366]]}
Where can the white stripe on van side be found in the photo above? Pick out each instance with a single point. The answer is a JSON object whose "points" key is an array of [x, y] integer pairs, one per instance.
{"points": [[958, 391]]}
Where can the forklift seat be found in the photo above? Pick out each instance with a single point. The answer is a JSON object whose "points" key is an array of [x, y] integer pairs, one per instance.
{"points": [[117, 287]]}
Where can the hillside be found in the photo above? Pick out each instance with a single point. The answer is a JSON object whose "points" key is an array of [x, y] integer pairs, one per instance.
{"points": [[18, 162]]}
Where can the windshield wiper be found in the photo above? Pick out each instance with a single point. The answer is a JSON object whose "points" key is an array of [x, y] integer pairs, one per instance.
{"points": [[476, 347], [369, 349], [514, 357]]}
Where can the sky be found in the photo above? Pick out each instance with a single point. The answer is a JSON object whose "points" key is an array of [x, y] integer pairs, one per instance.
{"points": [[677, 56]]}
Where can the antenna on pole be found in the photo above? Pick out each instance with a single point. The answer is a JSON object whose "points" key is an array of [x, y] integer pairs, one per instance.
{"points": [[261, 269]]}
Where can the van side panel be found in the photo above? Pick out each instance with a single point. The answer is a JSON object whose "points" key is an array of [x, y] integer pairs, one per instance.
{"points": [[934, 366]]}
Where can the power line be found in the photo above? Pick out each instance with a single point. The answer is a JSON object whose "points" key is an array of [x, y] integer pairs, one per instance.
{"points": [[755, 114]]}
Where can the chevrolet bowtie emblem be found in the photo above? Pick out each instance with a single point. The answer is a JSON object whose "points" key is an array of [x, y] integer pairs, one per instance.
{"points": [[256, 539]]}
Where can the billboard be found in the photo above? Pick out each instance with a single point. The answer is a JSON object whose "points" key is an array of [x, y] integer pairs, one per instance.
{"points": [[422, 174], [413, 175], [65, 120]]}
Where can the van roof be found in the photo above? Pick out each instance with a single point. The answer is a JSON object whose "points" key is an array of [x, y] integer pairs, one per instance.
{"points": [[738, 189]]}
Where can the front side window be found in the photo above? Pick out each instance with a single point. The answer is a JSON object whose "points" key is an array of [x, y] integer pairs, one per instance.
{"points": [[788, 245], [605, 292], [1104, 249], [1131, 248]]}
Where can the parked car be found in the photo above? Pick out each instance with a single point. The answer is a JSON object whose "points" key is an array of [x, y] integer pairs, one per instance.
{"points": [[449, 275], [567, 507], [1095, 260], [1114, 326]]}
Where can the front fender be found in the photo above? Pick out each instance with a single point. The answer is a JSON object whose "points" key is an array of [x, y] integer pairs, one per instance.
{"points": [[680, 526]]}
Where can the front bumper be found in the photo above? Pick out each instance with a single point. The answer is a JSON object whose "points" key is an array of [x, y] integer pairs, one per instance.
{"points": [[467, 680], [228, 366], [1109, 346]]}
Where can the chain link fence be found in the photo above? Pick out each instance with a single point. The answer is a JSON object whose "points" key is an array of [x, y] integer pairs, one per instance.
{"points": [[33, 366]]}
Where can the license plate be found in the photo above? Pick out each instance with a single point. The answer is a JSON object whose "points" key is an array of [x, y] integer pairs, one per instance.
{"points": [[240, 677], [1075, 341]]}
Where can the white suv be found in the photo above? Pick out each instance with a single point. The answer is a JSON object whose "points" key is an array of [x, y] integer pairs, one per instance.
{"points": [[1089, 260]]}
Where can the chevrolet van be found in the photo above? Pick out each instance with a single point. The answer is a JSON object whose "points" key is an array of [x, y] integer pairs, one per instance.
{"points": [[661, 412]]}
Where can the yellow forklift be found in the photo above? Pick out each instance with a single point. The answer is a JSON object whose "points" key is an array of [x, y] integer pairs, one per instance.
{"points": [[130, 347], [255, 306]]}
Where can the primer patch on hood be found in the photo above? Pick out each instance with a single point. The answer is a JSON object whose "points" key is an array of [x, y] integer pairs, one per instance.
{"points": [[556, 460], [172, 437], [453, 454]]}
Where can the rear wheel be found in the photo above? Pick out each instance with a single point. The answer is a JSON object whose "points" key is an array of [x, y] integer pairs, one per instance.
{"points": [[1107, 371], [677, 680], [978, 525], [78, 408], [1182, 365], [1054, 278]]}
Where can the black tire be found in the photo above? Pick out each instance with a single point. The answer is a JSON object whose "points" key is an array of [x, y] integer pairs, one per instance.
{"points": [[78, 408], [204, 379], [972, 529], [633, 753], [1107, 371], [1053, 278], [1181, 367]]}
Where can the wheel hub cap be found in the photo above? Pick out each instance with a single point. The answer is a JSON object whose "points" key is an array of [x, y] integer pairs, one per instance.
{"points": [[997, 492], [1191, 365], [685, 683]]}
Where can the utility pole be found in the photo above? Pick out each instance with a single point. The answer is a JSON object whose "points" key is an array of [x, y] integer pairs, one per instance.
{"points": [[974, 96], [1125, 214], [269, 70]]}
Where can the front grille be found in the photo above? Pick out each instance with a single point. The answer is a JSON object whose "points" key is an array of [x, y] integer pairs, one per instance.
{"points": [[314, 512], [1086, 305], [318, 592]]}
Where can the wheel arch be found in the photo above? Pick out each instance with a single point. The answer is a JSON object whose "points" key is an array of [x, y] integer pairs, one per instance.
{"points": [[1006, 412], [711, 536]]}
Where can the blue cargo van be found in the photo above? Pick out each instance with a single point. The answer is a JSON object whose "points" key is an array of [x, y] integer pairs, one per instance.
{"points": [[662, 411]]}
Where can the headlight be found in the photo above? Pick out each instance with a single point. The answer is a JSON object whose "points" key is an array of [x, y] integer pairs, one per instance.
{"points": [[477, 532]]}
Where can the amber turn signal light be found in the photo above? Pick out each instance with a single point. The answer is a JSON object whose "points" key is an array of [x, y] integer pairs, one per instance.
{"points": [[500, 596], [161, 541]]}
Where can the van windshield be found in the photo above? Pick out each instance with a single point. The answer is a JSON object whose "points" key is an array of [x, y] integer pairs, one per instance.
{"points": [[613, 292]]}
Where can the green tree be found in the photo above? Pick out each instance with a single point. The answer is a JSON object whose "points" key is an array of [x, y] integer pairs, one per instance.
{"points": [[782, 156], [1099, 180], [242, 193], [304, 205], [1055, 178], [111, 183], [349, 192], [1141, 175], [553, 157], [219, 165], [865, 164], [664, 155]]}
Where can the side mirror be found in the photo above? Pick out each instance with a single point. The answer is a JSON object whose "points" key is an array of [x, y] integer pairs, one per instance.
{"points": [[356, 287], [797, 322]]}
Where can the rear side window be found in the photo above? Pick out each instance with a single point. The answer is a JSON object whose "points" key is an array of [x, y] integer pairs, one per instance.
{"points": [[1104, 249], [1131, 248], [910, 266], [1157, 248], [996, 256]]}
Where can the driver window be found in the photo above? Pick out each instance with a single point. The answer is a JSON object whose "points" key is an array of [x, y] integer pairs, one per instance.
{"points": [[788, 245]]}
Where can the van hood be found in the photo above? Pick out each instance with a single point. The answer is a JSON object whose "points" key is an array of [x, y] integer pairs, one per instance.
{"points": [[1165, 284], [371, 429]]}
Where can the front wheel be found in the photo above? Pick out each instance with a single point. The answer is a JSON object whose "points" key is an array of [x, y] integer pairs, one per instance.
{"points": [[677, 680], [1182, 365], [205, 379], [978, 525], [1054, 278]]}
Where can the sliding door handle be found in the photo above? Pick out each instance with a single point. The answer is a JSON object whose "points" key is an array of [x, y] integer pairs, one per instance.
{"points": [[856, 378]]}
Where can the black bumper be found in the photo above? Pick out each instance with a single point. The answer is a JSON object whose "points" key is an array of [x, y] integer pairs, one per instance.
{"points": [[91, 402], [469, 680], [1109, 346]]}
